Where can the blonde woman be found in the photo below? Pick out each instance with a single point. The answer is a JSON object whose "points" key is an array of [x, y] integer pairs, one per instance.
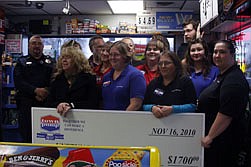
{"points": [[73, 85]]}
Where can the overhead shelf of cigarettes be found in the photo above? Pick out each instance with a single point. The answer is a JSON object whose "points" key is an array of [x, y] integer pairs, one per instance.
{"points": [[89, 26]]}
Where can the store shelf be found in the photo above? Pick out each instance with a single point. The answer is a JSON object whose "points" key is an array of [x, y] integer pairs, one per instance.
{"points": [[103, 35], [11, 134], [9, 108], [6, 126], [13, 106], [10, 85]]}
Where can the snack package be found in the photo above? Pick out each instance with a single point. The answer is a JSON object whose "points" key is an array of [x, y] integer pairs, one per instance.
{"points": [[79, 158], [125, 158], [45, 156]]}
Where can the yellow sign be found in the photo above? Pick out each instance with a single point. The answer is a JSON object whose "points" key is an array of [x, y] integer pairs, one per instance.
{"points": [[45, 22], [21, 154]]}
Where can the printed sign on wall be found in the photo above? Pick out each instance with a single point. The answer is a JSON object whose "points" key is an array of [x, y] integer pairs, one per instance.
{"points": [[171, 21], [13, 45]]}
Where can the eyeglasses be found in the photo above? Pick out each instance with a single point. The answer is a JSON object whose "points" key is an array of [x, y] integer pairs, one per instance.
{"points": [[114, 55], [66, 56], [164, 63]]}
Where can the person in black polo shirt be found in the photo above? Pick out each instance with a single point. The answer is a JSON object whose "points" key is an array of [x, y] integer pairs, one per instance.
{"points": [[32, 75], [224, 103], [172, 91]]}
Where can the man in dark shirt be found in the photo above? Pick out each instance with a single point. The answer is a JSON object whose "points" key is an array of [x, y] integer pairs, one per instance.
{"points": [[191, 30], [32, 75]]}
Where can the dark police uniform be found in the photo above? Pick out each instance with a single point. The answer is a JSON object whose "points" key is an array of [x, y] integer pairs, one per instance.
{"points": [[29, 74], [228, 94]]}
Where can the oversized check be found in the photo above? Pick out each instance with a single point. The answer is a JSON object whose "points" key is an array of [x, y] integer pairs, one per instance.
{"points": [[178, 136]]}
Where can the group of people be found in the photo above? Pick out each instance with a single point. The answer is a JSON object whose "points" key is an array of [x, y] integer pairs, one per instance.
{"points": [[162, 84]]}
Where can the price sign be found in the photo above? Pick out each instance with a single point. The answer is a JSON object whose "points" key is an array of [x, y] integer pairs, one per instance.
{"points": [[146, 21]]}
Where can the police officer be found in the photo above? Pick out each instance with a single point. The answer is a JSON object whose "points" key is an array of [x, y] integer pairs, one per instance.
{"points": [[32, 75]]}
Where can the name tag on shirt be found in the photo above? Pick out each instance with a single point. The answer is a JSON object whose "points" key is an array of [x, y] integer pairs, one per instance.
{"points": [[159, 92], [107, 83]]}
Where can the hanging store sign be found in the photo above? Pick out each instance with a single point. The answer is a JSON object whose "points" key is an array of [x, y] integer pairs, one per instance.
{"points": [[171, 21], [208, 11], [178, 136], [146, 21]]}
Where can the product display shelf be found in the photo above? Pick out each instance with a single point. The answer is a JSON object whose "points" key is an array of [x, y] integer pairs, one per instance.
{"points": [[9, 109]]}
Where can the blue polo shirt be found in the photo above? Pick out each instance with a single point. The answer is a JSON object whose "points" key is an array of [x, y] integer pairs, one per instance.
{"points": [[200, 82], [117, 93]]}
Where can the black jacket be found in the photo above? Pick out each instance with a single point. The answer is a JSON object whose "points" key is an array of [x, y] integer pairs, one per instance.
{"points": [[82, 93]]}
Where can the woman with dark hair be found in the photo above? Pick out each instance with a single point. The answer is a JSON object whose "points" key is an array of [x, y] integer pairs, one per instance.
{"points": [[172, 91], [152, 52], [103, 68], [73, 84], [224, 104], [124, 86], [198, 67]]}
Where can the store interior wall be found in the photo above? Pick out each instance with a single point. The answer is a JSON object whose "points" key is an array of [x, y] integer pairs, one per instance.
{"points": [[58, 22]]}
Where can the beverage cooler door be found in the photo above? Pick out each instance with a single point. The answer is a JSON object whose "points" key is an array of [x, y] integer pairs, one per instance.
{"points": [[52, 45], [243, 51]]}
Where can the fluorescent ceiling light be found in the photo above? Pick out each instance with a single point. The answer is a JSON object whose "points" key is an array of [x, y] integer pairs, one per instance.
{"points": [[122, 7], [44, 0]]}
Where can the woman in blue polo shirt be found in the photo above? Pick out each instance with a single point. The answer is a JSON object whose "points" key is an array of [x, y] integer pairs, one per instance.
{"points": [[172, 91], [198, 67], [124, 86]]}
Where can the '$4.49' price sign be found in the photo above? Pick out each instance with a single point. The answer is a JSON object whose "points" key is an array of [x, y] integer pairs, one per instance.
{"points": [[146, 21]]}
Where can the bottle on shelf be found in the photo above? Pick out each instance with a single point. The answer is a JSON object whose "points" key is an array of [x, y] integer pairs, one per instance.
{"points": [[6, 59]]}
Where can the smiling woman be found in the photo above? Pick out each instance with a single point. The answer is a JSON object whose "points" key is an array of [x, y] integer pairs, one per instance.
{"points": [[224, 103], [198, 66], [124, 86], [153, 50], [171, 92]]}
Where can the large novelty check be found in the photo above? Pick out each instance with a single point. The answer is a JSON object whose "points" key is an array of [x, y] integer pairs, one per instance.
{"points": [[178, 136]]}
